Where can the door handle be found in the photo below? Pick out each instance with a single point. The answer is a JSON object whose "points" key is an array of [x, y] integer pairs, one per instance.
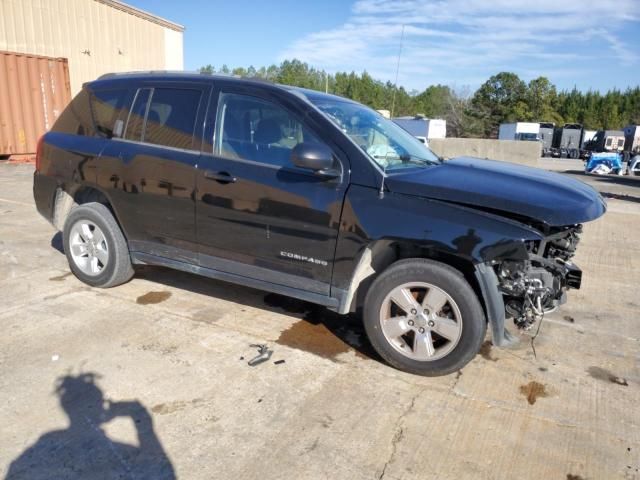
{"points": [[220, 177]]}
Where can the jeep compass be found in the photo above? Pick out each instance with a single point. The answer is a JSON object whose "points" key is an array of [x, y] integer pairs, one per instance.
{"points": [[312, 196]]}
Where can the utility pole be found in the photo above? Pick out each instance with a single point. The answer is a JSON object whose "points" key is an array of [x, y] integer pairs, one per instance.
{"points": [[395, 85]]}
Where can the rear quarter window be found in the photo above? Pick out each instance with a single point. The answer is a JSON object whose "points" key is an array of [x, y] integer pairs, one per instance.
{"points": [[110, 109], [76, 119], [95, 112]]}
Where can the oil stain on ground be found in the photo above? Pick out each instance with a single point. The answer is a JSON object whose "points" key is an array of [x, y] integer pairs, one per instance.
{"points": [[533, 390], [152, 297], [321, 332], [60, 278], [485, 352], [313, 338], [607, 376]]}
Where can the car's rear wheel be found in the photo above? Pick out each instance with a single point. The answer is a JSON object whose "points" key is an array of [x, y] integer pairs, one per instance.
{"points": [[423, 317], [95, 247]]}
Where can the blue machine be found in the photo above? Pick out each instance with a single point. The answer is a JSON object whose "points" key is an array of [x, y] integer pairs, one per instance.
{"points": [[612, 162]]}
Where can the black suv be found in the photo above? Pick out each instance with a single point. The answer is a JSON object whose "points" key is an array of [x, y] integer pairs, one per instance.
{"points": [[311, 196]]}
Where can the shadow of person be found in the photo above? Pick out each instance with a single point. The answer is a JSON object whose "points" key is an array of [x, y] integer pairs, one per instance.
{"points": [[83, 450]]}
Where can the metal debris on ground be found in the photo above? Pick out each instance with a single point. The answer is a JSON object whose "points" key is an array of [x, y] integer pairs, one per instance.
{"points": [[264, 354], [278, 362]]}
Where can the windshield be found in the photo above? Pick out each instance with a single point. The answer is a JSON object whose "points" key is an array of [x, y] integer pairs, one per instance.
{"points": [[389, 145]]}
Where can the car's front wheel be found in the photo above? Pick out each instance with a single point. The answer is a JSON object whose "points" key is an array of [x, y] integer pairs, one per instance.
{"points": [[423, 317], [95, 246]]}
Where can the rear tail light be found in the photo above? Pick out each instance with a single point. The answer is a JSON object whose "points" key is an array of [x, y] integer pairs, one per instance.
{"points": [[39, 152]]}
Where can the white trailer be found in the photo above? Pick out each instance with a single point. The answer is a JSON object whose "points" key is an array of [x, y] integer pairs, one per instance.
{"points": [[587, 136], [436, 128], [424, 129], [519, 131]]}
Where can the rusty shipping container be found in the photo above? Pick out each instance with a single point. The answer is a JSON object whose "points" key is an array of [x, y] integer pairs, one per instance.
{"points": [[34, 91]]}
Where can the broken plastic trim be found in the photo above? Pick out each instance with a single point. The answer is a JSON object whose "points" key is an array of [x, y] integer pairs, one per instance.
{"points": [[488, 281]]}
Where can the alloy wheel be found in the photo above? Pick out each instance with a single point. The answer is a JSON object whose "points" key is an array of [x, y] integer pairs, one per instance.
{"points": [[421, 321], [89, 248]]}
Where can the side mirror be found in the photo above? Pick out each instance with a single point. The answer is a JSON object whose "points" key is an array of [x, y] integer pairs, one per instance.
{"points": [[316, 157]]}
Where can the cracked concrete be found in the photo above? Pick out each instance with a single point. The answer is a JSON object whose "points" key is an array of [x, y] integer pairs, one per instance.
{"points": [[399, 432], [397, 437], [170, 371]]}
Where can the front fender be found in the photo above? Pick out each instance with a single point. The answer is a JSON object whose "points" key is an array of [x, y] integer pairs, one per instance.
{"points": [[437, 228]]}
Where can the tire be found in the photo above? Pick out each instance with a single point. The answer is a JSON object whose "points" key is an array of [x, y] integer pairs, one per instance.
{"points": [[100, 257], [462, 313]]}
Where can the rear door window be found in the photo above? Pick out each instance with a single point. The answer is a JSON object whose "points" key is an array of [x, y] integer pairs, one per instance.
{"points": [[171, 118], [135, 122]]}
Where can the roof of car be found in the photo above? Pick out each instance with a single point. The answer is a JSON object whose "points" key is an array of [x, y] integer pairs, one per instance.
{"points": [[176, 75], [312, 95]]}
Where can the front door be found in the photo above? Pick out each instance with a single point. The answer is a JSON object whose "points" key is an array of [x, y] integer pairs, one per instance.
{"points": [[257, 214]]}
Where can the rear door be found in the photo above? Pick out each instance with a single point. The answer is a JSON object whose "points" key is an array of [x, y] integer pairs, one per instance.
{"points": [[257, 214], [150, 170]]}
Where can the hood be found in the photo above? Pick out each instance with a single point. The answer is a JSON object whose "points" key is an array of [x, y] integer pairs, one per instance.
{"points": [[543, 196]]}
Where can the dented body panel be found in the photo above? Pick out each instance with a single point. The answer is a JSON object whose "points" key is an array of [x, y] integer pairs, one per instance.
{"points": [[433, 226], [545, 197]]}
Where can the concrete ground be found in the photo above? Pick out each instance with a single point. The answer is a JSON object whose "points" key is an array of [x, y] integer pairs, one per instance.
{"points": [[150, 379]]}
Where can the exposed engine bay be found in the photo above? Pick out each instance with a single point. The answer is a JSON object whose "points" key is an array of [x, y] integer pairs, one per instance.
{"points": [[537, 286]]}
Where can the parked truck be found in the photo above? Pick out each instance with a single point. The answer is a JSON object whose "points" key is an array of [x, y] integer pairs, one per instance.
{"points": [[567, 141], [423, 128], [523, 131], [606, 141], [546, 137], [632, 139]]}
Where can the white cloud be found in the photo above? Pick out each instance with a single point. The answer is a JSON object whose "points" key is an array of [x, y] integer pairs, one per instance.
{"points": [[460, 41]]}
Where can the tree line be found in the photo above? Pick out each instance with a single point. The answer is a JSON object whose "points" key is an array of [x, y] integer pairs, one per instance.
{"points": [[502, 98]]}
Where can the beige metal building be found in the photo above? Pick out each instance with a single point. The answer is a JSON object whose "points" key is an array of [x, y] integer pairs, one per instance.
{"points": [[96, 36]]}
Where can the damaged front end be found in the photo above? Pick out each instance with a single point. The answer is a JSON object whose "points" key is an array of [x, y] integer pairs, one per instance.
{"points": [[530, 288]]}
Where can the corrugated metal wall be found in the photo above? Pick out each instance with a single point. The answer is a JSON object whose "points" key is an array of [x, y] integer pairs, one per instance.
{"points": [[96, 36], [33, 92]]}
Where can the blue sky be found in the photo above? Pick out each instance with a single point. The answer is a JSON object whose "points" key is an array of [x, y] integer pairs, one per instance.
{"points": [[587, 43]]}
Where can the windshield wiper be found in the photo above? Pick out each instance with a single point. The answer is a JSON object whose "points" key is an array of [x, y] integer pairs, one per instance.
{"points": [[406, 158]]}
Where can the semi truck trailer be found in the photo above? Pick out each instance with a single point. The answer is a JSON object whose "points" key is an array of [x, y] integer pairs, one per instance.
{"points": [[632, 139], [526, 131], [423, 128], [567, 141], [546, 137]]}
